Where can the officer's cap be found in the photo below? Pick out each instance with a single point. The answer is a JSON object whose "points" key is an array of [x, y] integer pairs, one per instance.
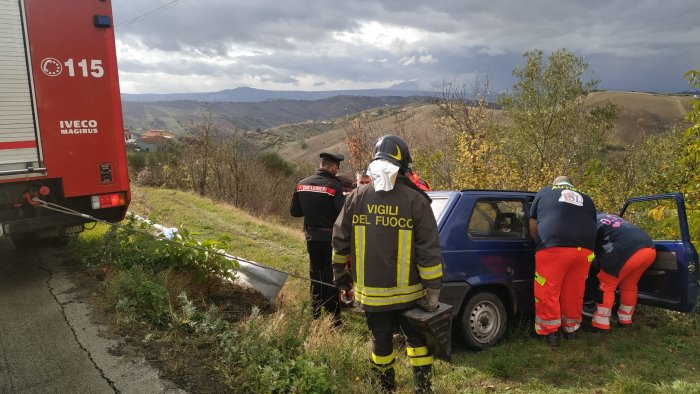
{"points": [[332, 157]]}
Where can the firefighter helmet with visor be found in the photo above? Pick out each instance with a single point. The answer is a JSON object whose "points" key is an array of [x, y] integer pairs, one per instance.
{"points": [[393, 149]]}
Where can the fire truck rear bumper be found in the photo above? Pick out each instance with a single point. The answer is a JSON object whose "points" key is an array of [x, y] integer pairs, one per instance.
{"points": [[57, 224]]}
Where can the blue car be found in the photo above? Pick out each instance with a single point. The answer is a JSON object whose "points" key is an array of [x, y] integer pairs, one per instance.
{"points": [[489, 257]]}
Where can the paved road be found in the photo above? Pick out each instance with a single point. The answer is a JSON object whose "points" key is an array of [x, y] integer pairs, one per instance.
{"points": [[48, 343]]}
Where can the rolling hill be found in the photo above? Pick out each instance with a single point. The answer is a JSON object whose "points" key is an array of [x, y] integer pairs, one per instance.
{"points": [[300, 129], [175, 115], [639, 112], [647, 112], [252, 95]]}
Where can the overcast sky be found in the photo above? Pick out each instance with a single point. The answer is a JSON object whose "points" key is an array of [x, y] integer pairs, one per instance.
{"points": [[211, 45]]}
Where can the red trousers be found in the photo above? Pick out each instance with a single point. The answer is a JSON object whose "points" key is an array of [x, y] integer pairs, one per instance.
{"points": [[627, 281], [560, 281]]}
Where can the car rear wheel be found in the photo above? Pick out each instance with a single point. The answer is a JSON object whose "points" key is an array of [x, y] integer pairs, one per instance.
{"points": [[483, 321]]}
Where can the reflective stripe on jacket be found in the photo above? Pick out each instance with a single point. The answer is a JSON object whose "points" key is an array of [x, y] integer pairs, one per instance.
{"points": [[318, 198], [393, 240]]}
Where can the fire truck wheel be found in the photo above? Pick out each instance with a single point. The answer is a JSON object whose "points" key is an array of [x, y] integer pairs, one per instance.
{"points": [[483, 321]]}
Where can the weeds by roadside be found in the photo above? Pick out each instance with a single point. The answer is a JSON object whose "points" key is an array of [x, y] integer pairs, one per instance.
{"points": [[137, 297], [281, 350], [127, 247]]}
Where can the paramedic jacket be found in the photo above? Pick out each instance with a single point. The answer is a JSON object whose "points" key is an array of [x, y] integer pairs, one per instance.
{"points": [[566, 217], [318, 198], [617, 241], [393, 239]]}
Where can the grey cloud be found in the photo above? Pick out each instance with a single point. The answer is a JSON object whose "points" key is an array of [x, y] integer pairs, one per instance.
{"points": [[642, 45], [209, 23], [182, 67]]}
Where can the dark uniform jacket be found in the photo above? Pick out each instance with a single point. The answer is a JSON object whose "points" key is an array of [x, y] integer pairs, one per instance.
{"points": [[565, 217], [318, 198], [393, 240], [617, 241]]}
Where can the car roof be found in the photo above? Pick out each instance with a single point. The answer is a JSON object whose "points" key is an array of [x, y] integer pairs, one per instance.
{"points": [[481, 192]]}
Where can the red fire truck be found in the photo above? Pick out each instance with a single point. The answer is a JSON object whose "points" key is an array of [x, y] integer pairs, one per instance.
{"points": [[61, 128]]}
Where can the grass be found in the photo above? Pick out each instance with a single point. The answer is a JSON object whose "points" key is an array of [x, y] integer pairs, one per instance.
{"points": [[249, 237], [658, 355]]}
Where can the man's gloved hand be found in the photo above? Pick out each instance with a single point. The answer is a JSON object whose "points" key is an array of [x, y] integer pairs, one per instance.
{"points": [[431, 299], [342, 279]]}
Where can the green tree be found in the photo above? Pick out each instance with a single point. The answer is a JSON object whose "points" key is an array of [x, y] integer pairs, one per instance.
{"points": [[549, 129], [649, 165], [690, 158]]}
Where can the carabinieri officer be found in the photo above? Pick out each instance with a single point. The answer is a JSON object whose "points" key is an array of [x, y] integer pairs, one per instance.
{"points": [[319, 198]]}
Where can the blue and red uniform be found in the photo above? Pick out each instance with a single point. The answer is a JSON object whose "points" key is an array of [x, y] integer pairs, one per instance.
{"points": [[623, 253], [566, 220]]}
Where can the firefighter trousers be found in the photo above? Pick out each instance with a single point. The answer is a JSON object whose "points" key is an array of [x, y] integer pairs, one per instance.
{"points": [[382, 326], [627, 280], [321, 269], [560, 281]]}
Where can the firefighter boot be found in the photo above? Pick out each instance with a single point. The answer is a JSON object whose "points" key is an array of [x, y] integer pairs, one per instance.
{"points": [[421, 379], [386, 379]]}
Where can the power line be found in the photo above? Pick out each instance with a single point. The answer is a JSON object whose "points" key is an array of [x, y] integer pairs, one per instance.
{"points": [[163, 7]]}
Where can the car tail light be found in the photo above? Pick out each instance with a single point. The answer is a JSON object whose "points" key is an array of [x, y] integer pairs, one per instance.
{"points": [[108, 200]]}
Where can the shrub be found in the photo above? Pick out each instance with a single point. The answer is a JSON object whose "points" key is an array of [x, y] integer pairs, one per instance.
{"points": [[137, 161], [275, 163], [129, 247], [262, 363], [205, 323], [138, 298], [148, 177]]}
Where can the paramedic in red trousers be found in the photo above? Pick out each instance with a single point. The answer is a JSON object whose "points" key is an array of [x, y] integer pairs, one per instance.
{"points": [[389, 231], [563, 224], [319, 198], [623, 252]]}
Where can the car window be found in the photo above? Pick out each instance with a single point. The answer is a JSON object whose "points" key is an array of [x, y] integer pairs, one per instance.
{"points": [[438, 206], [659, 218], [498, 219]]}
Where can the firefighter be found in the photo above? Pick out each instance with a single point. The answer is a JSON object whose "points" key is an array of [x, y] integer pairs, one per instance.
{"points": [[623, 252], [389, 231], [563, 225], [319, 198]]}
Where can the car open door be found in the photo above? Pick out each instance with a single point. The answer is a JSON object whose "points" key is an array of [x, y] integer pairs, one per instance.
{"points": [[672, 281]]}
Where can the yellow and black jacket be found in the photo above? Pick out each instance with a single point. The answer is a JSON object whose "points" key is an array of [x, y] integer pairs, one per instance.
{"points": [[393, 239]]}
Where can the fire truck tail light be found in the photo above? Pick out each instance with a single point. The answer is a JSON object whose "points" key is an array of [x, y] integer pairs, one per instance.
{"points": [[108, 200]]}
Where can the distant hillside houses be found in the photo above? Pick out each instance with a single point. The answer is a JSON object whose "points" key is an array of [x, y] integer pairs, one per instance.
{"points": [[148, 141]]}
